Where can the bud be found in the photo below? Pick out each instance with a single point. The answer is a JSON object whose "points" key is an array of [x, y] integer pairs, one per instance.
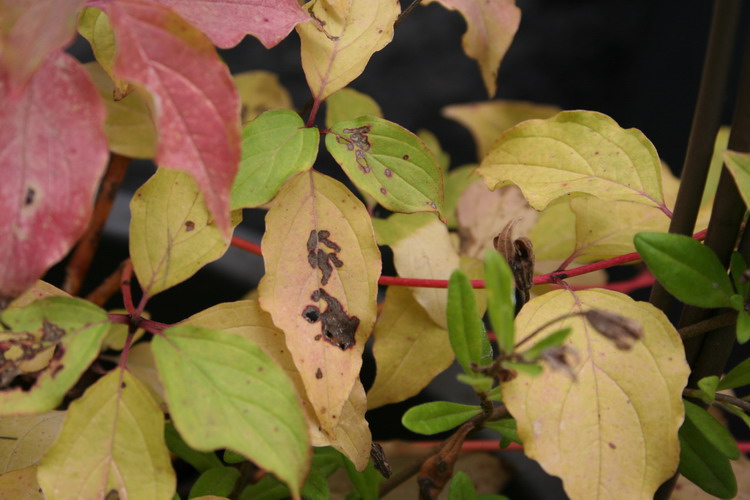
{"points": [[379, 460], [624, 332], [519, 254]]}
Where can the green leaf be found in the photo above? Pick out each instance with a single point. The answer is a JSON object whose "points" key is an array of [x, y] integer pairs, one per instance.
{"points": [[737, 377], [202, 461], [438, 416], [224, 392], [431, 141], [456, 183], [348, 104], [532, 369], [501, 300], [268, 488], [326, 460], [73, 328], [366, 482], [688, 270], [479, 383], [737, 411], [275, 146], [703, 464], [554, 339], [389, 163], [507, 429], [218, 481], [232, 457], [737, 267], [465, 328], [495, 394], [712, 430], [316, 486], [739, 166], [743, 327], [461, 487], [707, 385]]}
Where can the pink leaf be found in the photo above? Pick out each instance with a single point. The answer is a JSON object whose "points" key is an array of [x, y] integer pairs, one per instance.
{"points": [[30, 30], [197, 107], [53, 153], [226, 22]]}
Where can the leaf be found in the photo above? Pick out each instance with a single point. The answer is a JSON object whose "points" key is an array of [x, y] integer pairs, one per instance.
{"points": [[94, 26], [431, 141], [54, 153], [25, 439], [206, 375], [39, 290], [686, 268], [129, 127], [195, 101], [707, 385], [118, 333], [30, 31], [737, 377], [347, 104], [461, 487], [365, 482], [456, 182], [554, 234], [172, 233], [554, 339], [743, 327], [141, 363], [438, 416], [739, 166], [321, 254], [507, 429], [108, 436], [339, 42], [491, 27], [716, 166], [621, 414], [737, 268], [713, 431], [74, 327], [200, 460], [410, 349], [21, 484], [703, 464], [389, 163], [216, 481], [465, 328], [231, 457], [530, 369], [487, 120], [575, 152], [275, 146], [259, 92], [480, 383]]}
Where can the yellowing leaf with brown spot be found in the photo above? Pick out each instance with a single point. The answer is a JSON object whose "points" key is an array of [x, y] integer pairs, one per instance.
{"points": [[612, 433], [576, 152], [320, 287], [246, 318], [21, 484], [341, 38], [112, 439], [491, 28], [260, 91], [26, 438], [410, 349]]}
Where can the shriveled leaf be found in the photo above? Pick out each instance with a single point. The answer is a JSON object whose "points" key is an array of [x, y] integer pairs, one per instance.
{"points": [[217, 481], [737, 377], [456, 182], [200, 460], [53, 152], [438, 416], [94, 26], [575, 152], [259, 92], [275, 146], [320, 287], [713, 431], [227, 23], [686, 268], [739, 166], [487, 120], [21, 483], [74, 328], [347, 104], [703, 464], [339, 42], [196, 103], [172, 233], [25, 439], [491, 27], [389, 163], [112, 440], [410, 349], [619, 417], [465, 328], [225, 392]]}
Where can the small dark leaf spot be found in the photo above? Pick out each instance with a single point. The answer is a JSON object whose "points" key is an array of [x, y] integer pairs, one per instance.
{"points": [[311, 314], [51, 332], [612, 445], [319, 374], [123, 385], [405, 157], [433, 205], [189, 225], [260, 368], [318, 337], [30, 193], [388, 173], [384, 190]]}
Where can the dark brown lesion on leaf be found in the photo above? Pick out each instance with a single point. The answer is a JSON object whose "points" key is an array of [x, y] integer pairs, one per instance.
{"points": [[359, 142], [17, 348], [338, 328], [30, 194], [189, 225], [319, 258]]}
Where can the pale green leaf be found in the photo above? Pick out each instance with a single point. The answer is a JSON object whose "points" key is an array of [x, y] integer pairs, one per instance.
{"points": [[501, 300], [260, 91], [433, 144], [94, 26], [461, 487], [465, 328], [438, 416], [218, 481], [737, 377], [348, 104]]}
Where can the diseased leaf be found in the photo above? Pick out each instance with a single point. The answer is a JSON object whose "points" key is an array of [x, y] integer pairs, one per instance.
{"points": [[27, 438], [217, 481], [259, 92], [389, 163], [172, 234], [94, 26], [275, 146], [686, 268], [487, 120], [491, 27], [320, 287], [195, 102], [739, 166], [340, 40], [575, 152], [74, 328], [227, 22], [225, 392], [410, 349], [347, 104], [465, 328], [438, 416], [621, 414], [53, 152], [457, 181], [107, 435], [21, 483]]}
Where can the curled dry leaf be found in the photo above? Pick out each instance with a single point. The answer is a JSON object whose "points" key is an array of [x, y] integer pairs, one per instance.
{"points": [[519, 253]]}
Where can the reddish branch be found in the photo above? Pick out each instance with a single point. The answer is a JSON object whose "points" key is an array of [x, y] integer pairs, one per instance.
{"points": [[108, 287]]}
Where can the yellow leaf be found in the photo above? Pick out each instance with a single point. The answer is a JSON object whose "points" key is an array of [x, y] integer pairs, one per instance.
{"points": [[260, 91], [39, 290], [94, 26], [245, 318], [554, 234], [612, 433], [409, 349], [20, 484], [112, 439], [348, 104], [172, 233], [25, 439], [491, 28], [487, 120], [141, 363], [576, 152], [341, 38]]}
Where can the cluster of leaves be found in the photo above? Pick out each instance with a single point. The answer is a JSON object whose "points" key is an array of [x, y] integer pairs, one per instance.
{"points": [[267, 380]]}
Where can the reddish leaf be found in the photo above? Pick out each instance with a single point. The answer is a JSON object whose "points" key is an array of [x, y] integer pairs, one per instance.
{"points": [[53, 152], [30, 30], [196, 103], [226, 22]]}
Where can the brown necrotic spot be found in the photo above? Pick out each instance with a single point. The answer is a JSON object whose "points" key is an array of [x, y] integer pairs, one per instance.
{"points": [[388, 173], [311, 314], [384, 190], [30, 194], [405, 157], [189, 225], [51, 332], [319, 374]]}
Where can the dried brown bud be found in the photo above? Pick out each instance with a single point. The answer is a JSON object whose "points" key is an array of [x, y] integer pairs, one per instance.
{"points": [[561, 358], [624, 332], [379, 460], [519, 254]]}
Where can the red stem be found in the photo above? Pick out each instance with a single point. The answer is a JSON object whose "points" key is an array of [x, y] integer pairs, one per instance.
{"points": [[313, 113], [125, 288]]}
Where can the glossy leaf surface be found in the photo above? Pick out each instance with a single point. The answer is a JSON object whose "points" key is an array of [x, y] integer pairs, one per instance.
{"points": [[438, 416], [465, 328]]}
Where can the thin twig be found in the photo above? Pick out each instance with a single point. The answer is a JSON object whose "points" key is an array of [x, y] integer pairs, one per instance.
{"points": [[739, 403], [707, 325], [406, 12]]}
